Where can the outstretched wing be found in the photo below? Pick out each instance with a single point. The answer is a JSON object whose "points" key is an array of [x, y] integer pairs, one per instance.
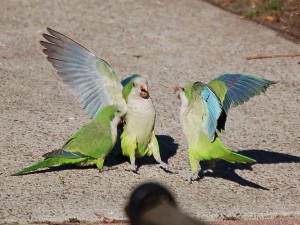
{"points": [[240, 88], [90, 79]]}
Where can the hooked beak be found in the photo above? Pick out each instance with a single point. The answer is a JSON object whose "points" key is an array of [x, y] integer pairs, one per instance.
{"points": [[144, 90], [177, 88]]}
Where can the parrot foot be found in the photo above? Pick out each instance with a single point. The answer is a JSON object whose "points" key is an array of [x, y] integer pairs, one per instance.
{"points": [[132, 167], [163, 165], [192, 177], [189, 176]]}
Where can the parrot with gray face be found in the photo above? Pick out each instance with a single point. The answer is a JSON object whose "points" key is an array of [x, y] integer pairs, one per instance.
{"points": [[138, 138], [89, 145], [204, 110], [95, 84]]}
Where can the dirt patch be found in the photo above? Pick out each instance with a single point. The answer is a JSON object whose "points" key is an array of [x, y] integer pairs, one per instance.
{"points": [[280, 15]]}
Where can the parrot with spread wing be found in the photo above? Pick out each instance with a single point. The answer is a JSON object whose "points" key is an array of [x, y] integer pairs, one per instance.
{"points": [[203, 112], [89, 145], [95, 84]]}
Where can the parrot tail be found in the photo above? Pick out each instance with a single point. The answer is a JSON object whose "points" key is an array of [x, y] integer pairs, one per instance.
{"points": [[234, 157], [49, 162]]}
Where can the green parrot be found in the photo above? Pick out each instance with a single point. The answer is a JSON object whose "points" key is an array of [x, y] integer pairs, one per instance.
{"points": [[95, 84], [89, 145], [203, 112], [138, 138]]}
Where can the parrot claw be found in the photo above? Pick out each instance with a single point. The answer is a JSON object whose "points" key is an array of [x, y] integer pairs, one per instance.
{"points": [[163, 165], [132, 167], [192, 177]]}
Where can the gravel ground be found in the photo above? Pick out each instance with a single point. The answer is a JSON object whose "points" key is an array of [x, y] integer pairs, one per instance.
{"points": [[169, 42]]}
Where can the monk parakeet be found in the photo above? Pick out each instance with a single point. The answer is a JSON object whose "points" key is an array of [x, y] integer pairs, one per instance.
{"points": [[89, 145], [95, 84], [138, 138], [204, 109]]}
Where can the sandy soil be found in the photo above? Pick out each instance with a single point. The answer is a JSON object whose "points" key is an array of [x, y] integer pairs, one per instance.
{"points": [[169, 42]]}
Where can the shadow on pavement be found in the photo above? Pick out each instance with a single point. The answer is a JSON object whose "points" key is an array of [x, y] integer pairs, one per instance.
{"points": [[226, 170], [231, 175], [270, 157]]}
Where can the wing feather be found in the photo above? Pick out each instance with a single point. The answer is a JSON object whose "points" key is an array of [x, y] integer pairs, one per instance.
{"points": [[241, 87], [212, 112], [90, 79]]}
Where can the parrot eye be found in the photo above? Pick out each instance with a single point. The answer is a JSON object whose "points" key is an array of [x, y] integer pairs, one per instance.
{"points": [[133, 84], [182, 89]]}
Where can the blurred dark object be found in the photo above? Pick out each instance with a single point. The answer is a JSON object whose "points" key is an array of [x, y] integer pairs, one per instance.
{"points": [[152, 204]]}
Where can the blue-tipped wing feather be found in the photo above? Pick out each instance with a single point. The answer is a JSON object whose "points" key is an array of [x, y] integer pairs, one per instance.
{"points": [[240, 88], [213, 111], [89, 78]]}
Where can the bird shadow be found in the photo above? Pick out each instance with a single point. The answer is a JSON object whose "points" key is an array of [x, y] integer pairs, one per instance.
{"points": [[231, 175], [226, 170], [270, 157]]}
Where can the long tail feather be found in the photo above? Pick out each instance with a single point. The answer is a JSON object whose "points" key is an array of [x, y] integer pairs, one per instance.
{"points": [[49, 162], [234, 157]]}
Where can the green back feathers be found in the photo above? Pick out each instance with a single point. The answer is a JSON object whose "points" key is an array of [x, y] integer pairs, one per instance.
{"points": [[192, 90], [219, 88], [106, 114]]}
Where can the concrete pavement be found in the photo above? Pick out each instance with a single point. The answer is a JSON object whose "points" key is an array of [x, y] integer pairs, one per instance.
{"points": [[169, 42]]}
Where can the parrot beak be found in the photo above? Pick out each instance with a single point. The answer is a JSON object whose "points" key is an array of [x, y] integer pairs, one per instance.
{"points": [[177, 88], [144, 90]]}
